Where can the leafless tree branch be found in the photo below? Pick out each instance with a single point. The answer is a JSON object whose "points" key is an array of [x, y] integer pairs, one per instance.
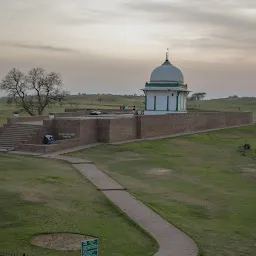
{"points": [[33, 91]]}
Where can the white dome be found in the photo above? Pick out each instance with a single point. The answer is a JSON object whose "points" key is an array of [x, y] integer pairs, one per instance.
{"points": [[167, 73]]}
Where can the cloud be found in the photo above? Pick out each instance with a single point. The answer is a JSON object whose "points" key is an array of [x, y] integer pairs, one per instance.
{"points": [[89, 16], [219, 23], [38, 47], [211, 13]]}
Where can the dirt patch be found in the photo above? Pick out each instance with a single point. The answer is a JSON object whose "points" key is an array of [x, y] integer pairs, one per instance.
{"points": [[60, 241], [159, 171], [125, 159], [191, 200], [33, 197], [249, 171]]}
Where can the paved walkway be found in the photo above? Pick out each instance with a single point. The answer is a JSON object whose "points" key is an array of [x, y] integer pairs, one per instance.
{"points": [[172, 242]]}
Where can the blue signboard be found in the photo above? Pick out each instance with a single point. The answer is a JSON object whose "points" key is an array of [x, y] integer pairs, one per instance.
{"points": [[89, 247]]}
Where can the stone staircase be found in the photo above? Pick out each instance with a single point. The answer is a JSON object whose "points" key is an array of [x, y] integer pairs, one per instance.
{"points": [[15, 134]]}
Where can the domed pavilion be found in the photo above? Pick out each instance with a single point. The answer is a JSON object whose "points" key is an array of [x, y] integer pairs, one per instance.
{"points": [[166, 91]]}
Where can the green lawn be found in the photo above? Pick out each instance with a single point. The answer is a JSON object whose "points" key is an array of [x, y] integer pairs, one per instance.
{"points": [[200, 183], [105, 101], [240, 104], [77, 101], [42, 195]]}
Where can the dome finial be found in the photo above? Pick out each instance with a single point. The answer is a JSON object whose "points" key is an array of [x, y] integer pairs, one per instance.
{"points": [[167, 54]]}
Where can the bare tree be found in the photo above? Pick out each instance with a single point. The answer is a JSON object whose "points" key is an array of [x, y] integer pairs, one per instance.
{"points": [[33, 91]]}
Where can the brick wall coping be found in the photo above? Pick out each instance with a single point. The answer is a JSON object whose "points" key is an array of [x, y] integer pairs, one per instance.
{"points": [[97, 117]]}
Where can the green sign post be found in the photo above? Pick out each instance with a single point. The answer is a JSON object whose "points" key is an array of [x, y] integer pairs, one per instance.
{"points": [[89, 247]]}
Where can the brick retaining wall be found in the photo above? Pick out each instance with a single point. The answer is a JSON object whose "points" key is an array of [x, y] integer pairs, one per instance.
{"points": [[85, 131], [37, 148], [122, 129], [103, 130], [162, 125]]}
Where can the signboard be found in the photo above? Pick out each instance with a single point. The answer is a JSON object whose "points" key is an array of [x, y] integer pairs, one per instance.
{"points": [[89, 247], [67, 135]]}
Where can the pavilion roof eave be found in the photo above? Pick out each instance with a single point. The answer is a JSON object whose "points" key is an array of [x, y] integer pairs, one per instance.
{"points": [[165, 89]]}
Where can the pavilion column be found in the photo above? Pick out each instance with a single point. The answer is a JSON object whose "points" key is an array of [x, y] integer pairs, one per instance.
{"points": [[177, 101]]}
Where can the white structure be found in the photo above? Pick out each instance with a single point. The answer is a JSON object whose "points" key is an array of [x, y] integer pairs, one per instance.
{"points": [[166, 91]]}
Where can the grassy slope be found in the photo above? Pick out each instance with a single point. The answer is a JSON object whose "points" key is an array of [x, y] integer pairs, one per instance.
{"points": [[39, 196], [114, 101], [78, 101], [209, 190], [245, 104]]}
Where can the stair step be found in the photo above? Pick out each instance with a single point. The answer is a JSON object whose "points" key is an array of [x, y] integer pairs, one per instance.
{"points": [[22, 125], [13, 139], [8, 146], [15, 134], [20, 129], [3, 149]]}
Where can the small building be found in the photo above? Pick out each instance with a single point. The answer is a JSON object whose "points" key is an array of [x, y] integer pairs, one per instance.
{"points": [[166, 91]]}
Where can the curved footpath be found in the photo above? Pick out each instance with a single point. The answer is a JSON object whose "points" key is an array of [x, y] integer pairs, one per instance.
{"points": [[172, 241]]}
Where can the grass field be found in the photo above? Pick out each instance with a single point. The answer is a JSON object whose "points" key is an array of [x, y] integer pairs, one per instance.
{"points": [[237, 104], [200, 183], [114, 101], [41, 196], [93, 101]]}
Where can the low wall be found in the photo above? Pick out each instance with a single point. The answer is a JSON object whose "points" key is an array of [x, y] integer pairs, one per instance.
{"points": [[36, 148], [103, 110], [88, 131], [72, 114], [122, 129], [37, 138], [163, 125], [26, 119], [72, 132], [103, 130], [118, 129], [83, 129]]}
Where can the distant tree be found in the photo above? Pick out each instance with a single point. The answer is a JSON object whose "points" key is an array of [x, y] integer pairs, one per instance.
{"points": [[100, 99], [33, 91], [233, 97], [197, 96], [62, 103], [72, 103], [9, 101]]}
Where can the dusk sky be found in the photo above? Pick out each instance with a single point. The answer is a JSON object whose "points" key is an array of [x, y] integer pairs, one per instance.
{"points": [[111, 46]]}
